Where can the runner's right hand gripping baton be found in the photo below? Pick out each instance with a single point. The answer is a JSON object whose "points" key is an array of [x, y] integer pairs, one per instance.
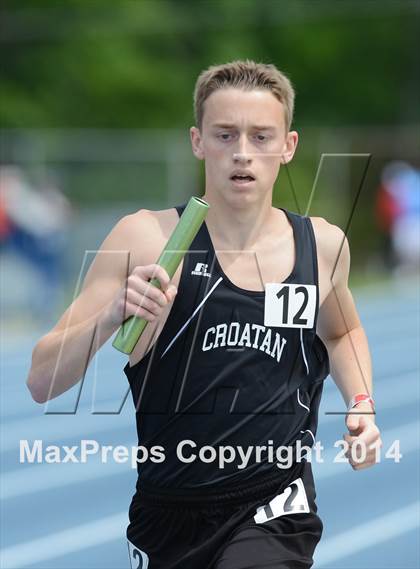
{"points": [[170, 259]]}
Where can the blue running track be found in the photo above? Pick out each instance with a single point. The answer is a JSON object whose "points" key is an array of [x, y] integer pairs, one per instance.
{"points": [[74, 515]]}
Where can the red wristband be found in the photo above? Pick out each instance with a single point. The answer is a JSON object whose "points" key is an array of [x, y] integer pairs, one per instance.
{"points": [[361, 397]]}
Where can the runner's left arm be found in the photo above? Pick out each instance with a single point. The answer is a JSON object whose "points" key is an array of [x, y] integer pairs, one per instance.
{"points": [[341, 330]]}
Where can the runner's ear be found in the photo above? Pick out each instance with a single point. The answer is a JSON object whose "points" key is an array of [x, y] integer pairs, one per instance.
{"points": [[289, 147], [196, 143]]}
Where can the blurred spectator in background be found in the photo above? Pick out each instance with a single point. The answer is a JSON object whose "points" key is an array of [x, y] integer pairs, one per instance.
{"points": [[33, 225], [386, 211], [398, 214]]}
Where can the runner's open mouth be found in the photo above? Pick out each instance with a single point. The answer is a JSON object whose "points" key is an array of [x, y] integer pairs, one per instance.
{"points": [[237, 177]]}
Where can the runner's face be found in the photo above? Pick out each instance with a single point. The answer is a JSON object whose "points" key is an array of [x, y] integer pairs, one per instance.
{"points": [[243, 141]]}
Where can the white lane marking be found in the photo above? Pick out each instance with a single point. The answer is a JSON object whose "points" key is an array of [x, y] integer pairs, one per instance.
{"points": [[369, 534], [192, 316], [46, 476], [65, 542], [60, 427], [24, 407]]}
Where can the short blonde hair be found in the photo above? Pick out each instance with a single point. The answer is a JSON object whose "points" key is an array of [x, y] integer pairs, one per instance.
{"points": [[247, 75]]}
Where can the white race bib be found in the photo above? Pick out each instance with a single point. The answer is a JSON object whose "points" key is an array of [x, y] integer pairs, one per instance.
{"points": [[292, 501], [289, 305], [138, 559]]}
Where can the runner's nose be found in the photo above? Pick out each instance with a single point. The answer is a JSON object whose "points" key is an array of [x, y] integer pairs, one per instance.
{"points": [[242, 156]]}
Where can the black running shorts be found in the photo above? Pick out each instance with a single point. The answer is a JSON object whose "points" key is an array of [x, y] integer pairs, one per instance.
{"points": [[271, 522]]}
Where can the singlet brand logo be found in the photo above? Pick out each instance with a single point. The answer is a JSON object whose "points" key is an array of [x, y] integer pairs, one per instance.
{"points": [[201, 270], [245, 336]]}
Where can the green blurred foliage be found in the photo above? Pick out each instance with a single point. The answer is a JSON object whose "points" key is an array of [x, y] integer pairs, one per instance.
{"points": [[134, 63]]}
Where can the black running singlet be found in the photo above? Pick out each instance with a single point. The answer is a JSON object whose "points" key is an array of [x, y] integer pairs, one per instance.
{"points": [[217, 376]]}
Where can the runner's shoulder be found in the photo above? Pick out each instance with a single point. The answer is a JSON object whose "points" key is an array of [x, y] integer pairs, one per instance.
{"points": [[144, 233], [146, 222], [331, 241]]}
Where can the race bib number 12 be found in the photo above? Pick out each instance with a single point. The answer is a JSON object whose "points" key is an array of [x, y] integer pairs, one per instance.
{"points": [[138, 559], [289, 305], [292, 501]]}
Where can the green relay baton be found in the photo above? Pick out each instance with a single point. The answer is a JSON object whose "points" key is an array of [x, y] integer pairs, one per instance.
{"points": [[170, 259]]}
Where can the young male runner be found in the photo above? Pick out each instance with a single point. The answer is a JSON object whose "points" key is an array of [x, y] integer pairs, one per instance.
{"points": [[217, 368]]}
